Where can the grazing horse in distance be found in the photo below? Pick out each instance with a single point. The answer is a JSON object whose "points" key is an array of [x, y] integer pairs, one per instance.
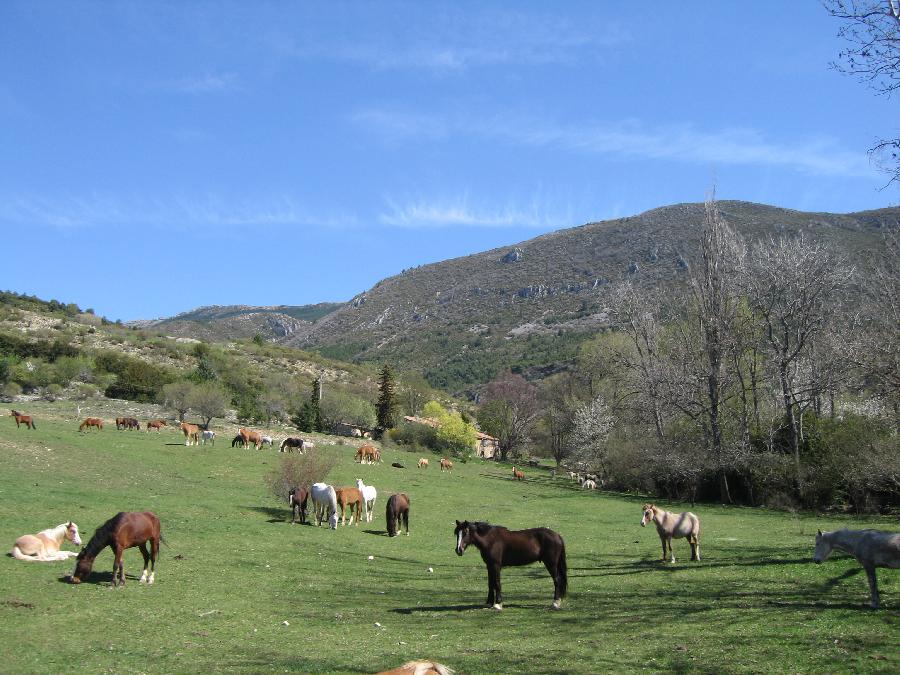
{"points": [[298, 498], [499, 547], [122, 531], [237, 440], [91, 422], [397, 514], [518, 475], [207, 435], [871, 548], [422, 463], [370, 494], [324, 500], [45, 545], [155, 424], [120, 423], [350, 497], [367, 454], [132, 423], [22, 419], [419, 668], [191, 433], [671, 526], [290, 443], [251, 437], [446, 464]]}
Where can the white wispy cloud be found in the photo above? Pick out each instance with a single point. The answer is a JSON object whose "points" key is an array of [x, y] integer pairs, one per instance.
{"points": [[425, 214], [171, 212], [627, 139]]}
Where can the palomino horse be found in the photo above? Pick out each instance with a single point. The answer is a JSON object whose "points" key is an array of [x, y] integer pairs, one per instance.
{"points": [[367, 454], [22, 419], [290, 443], [123, 530], [251, 437], [208, 436], [499, 547], [446, 464], [419, 668], [671, 526], [155, 424], [518, 475], [45, 545], [91, 422], [324, 500], [369, 494], [350, 497], [871, 548], [397, 514], [191, 433], [422, 463], [298, 498]]}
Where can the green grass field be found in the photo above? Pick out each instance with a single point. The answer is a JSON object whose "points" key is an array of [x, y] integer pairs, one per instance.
{"points": [[234, 571]]}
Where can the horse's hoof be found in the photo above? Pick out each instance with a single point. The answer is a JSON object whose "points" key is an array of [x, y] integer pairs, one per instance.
{"points": [[497, 606], [556, 605]]}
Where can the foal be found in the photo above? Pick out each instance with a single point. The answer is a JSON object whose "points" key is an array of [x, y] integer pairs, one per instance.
{"points": [[45, 545], [671, 526]]}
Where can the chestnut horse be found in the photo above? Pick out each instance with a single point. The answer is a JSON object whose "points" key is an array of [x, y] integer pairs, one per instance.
{"points": [[419, 668], [422, 463], [91, 422], [350, 497], [156, 424], [123, 530], [671, 526], [446, 464], [518, 475], [191, 433], [298, 498], [397, 514], [45, 545], [367, 454], [22, 419], [250, 437], [499, 547]]}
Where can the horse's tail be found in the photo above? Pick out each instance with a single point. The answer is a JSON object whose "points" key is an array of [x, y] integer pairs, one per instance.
{"points": [[33, 425], [562, 569]]}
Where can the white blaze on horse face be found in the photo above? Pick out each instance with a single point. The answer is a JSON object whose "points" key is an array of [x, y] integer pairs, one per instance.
{"points": [[459, 543], [646, 519], [73, 531]]}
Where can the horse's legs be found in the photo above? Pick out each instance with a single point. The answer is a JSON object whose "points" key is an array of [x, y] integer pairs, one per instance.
{"points": [[154, 554], [553, 568], [118, 566], [873, 584], [491, 586], [671, 550], [146, 555], [662, 538], [695, 547], [406, 521], [498, 598]]}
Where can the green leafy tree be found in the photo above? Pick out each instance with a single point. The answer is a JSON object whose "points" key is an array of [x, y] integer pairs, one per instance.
{"points": [[208, 400], [177, 396]]}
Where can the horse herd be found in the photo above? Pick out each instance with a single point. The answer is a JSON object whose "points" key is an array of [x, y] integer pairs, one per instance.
{"points": [[498, 545]]}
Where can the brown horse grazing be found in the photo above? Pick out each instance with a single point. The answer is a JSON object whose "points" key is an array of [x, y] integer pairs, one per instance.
{"points": [[419, 668], [671, 526], [91, 422], [367, 454], [446, 464], [123, 530], [397, 514], [156, 424], [422, 463], [871, 548], [191, 433], [22, 419], [499, 547], [251, 437], [297, 498], [127, 423], [350, 497], [518, 475]]}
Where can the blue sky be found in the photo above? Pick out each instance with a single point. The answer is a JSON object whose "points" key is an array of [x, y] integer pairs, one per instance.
{"points": [[155, 157]]}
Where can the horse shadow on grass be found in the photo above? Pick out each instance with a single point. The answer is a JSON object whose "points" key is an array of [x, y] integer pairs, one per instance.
{"points": [[276, 515], [98, 578]]}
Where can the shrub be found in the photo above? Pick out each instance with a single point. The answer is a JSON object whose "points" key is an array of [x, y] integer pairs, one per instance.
{"points": [[292, 471]]}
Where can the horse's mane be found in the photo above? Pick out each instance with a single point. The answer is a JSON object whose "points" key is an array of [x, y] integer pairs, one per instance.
{"points": [[482, 527], [101, 537]]}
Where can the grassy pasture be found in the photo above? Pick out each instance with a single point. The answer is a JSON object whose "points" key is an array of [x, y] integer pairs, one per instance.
{"points": [[234, 570]]}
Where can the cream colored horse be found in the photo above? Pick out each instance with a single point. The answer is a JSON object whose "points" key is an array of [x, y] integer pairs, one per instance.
{"points": [[674, 526], [44, 546]]}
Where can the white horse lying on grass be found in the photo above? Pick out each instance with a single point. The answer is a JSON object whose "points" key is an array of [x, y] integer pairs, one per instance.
{"points": [[872, 548], [44, 546]]}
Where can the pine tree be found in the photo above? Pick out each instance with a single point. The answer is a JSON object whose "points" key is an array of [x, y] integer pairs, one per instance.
{"points": [[387, 399], [315, 406]]}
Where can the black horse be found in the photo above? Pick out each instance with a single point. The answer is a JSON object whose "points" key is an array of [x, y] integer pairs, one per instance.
{"points": [[499, 547], [237, 440], [297, 498], [397, 514]]}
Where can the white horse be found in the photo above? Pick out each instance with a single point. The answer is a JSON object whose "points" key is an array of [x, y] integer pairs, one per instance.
{"points": [[44, 546], [674, 526], [872, 548], [369, 494], [324, 499], [266, 440], [208, 436]]}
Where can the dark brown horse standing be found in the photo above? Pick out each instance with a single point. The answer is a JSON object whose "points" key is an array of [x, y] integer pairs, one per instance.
{"points": [[397, 514], [499, 547], [123, 530], [297, 498], [22, 419]]}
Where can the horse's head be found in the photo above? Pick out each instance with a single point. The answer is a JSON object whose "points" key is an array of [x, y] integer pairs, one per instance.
{"points": [[823, 547], [649, 515], [72, 533], [463, 534], [83, 566]]}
